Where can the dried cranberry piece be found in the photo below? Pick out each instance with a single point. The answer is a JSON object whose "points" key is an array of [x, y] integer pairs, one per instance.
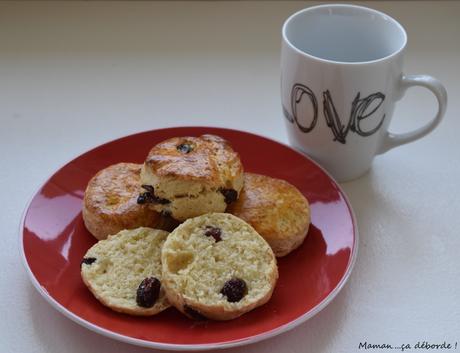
{"points": [[194, 314], [160, 200], [148, 292], [213, 232], [87, 260], [148, 188], [234, 289], [165, 213], [230, 195], [142, 198], [149, 197], [184, 148]]}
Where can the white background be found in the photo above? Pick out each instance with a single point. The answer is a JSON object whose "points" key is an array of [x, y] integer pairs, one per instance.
{"points": [[74, 75]]}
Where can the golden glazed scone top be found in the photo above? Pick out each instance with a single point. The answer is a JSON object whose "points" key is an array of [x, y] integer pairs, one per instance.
{"points": [[110, 202], [276, 209], [114, 190], [207, 158]]}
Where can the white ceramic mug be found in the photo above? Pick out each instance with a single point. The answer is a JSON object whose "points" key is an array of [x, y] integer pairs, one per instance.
{"points": [[341, 74]]}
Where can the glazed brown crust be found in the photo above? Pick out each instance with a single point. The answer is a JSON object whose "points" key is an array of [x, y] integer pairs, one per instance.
{"points": [[211, 160], [110, 202], [276, 209]]}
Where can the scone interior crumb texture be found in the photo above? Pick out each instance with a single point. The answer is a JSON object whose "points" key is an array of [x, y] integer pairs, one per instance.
{"points": [[114, 268], [196, 266], [193, 175]]}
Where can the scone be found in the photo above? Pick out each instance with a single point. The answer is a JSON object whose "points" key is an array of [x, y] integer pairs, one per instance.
{"points": [[110, 202], [276, 209], [216, 266], [189, 176], [124, 271]]}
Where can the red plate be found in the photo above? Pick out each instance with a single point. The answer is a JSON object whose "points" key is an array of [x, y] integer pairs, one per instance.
{"points": [[54, 241]]}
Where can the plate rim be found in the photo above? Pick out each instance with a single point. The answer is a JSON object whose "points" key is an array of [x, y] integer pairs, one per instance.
{"points": [[190, 347]]}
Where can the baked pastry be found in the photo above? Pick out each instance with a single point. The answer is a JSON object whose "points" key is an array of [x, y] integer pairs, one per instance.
{"points": [[216, 266], [189, 176], [276, 209], [110, 202], [124, 271]]}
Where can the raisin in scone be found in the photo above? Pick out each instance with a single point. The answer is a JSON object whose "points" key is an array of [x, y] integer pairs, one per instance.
{"points": [[124, 271], [189, 176], [216, 266], [110, 202], [276, 209]]}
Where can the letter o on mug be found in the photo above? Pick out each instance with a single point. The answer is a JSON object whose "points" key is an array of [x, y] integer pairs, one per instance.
{"points": [[341, 75]]}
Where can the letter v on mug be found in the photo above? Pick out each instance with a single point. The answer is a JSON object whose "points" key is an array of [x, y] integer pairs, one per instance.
{"points": [[341, 75]]}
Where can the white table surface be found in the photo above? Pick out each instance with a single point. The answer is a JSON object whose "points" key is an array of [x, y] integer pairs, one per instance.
{"points": [[74, 75]]}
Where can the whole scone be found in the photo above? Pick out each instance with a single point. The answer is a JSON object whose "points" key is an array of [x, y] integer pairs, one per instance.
{"points": [[124, 271], [276, 209], [110, 202], [189, 176], [216, 266]]}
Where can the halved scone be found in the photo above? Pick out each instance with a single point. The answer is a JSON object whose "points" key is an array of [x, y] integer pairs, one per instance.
{"points": [[124, 271], [217, 267]]}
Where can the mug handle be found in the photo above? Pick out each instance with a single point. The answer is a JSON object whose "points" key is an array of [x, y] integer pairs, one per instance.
{"points": [[391, 140]]}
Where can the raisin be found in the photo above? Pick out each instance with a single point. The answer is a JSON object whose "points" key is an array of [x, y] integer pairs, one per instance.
{"points": [[148, 188], [194, 314], [88, 260], [230, 195], [142, 198], [165, 213], [234, 289], [184, 148], [213, 232], [148, 197], [160, 200], [148, 292]]}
